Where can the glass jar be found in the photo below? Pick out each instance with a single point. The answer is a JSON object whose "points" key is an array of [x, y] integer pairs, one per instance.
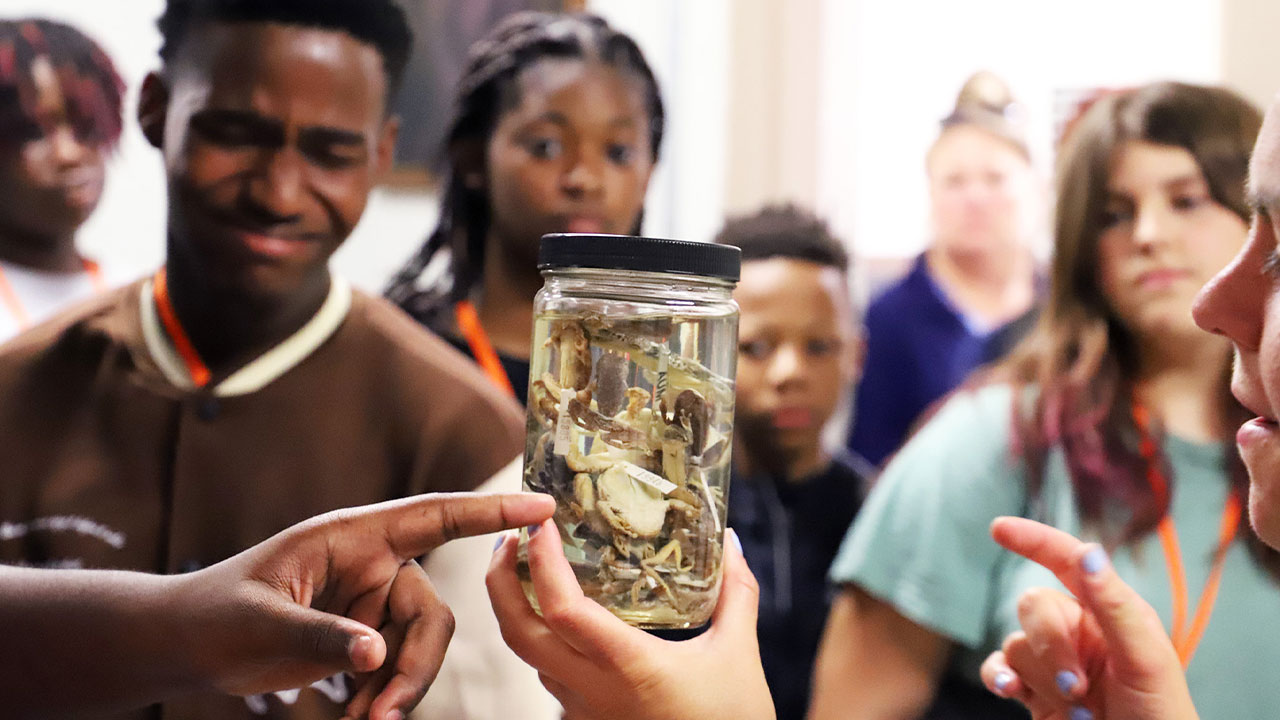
{"points": [[630, 418]]}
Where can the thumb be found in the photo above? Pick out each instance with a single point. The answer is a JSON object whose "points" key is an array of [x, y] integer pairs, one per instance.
{"points": [[1139, 646], [739, 602], [334, 642]]}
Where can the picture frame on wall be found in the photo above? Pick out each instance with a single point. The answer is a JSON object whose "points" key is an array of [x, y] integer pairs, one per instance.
{"points": [[443, 31]]}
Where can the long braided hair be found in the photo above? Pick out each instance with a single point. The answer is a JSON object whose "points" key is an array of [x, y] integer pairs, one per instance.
{"points": [[87, 79], [486, 90]]}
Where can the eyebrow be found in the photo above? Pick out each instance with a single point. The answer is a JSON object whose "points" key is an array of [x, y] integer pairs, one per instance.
{"points": [[316, 134], [333, 136], [559, 118], [1174, 183], [1186, 180]]}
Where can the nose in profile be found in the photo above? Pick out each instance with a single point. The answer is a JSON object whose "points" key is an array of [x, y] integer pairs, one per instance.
{"points": [[1234, 301]]}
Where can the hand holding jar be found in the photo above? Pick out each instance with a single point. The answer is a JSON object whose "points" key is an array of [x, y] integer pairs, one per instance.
{"points": [[631, 418]]}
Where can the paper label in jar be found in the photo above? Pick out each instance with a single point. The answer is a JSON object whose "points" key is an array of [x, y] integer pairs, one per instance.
{"points": [[564, 425], [653, 480]]}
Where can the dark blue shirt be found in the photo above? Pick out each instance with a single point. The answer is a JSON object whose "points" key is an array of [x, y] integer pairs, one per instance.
{"points": [[919, 348], [790, 532]]}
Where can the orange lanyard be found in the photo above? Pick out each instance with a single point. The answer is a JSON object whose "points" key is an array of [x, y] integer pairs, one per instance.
{"points": [[14, 304], [199, 372], [1186, 638], [481, 349]]}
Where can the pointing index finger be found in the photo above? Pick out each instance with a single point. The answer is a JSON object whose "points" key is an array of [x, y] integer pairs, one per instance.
{"points": [[417, 525], [1056, 550]]}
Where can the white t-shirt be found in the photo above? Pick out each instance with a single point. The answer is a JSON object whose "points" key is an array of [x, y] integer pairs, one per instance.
{"points": [[41, 294]]}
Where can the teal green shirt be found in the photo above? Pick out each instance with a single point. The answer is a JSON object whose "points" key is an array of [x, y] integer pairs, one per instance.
{"points": [[921, 544]]}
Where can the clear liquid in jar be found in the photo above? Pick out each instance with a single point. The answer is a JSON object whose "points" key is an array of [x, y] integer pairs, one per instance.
{"points": [[630, 432]]}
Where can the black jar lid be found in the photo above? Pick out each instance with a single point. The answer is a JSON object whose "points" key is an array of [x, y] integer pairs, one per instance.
{"points": [[646, 254]]}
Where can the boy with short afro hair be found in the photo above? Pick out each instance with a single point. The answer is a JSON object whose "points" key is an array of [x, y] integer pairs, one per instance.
{"points": [[791, 501]]}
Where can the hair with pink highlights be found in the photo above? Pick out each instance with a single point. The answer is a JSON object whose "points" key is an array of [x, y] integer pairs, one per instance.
{"points": [[88, 80], [1080, 361]]}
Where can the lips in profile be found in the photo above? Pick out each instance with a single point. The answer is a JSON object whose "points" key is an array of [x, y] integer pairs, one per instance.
{"points": [[1257, 430], [1261, 428]]}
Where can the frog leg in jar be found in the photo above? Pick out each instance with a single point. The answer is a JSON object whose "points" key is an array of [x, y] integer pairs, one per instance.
{"points": [[593, 463], [575, 353], [543, 402], [674, 455], [584, 493], [658, 560], [650, 580], [690, 510], [655, 580]]}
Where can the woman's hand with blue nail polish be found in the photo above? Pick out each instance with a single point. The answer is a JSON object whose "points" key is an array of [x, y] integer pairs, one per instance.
{"points": [[1100, 654]]}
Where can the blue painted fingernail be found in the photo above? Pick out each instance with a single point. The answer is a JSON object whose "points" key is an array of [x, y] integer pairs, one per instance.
{"points": [[533, 529], [733, 536], [1066, 681], [501, 538], [1094, 561], [1079, 713], [1003, 678]]}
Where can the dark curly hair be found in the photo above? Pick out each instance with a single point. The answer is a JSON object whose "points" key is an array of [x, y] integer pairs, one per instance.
{"points": [[784, 231], [380, 23]]}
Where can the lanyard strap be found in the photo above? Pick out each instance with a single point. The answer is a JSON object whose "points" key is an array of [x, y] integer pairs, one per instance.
{"points": [[481, 349], [14, 304], [199, 372], [1185, 638]]}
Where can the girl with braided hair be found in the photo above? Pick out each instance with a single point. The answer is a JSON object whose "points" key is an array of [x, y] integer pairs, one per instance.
{"points": [[556, 128], [60, 102]]}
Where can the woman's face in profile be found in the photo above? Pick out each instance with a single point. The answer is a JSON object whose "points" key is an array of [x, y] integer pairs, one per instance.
{"points": [[981, 192], [1243, 303]]}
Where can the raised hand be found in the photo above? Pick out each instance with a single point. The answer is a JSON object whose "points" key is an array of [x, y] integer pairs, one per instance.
{"points": [[1101, 654]]}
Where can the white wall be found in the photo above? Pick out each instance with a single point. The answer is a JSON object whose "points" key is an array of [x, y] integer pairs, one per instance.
{"points": [[892, 70], [687, 45]]}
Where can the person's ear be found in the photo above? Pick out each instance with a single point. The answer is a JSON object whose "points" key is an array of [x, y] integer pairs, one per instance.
{"points": [[466, 156], [153, 107], [385, 152]]}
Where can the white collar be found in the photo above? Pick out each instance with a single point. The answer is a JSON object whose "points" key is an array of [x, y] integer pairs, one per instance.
{"points": [[261, 370]]}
